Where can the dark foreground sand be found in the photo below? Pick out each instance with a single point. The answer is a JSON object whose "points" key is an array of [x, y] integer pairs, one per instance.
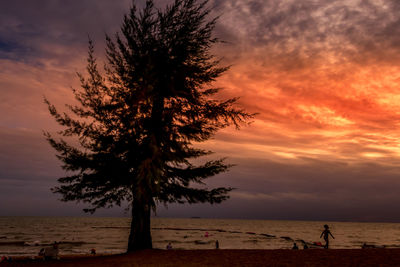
{"points": [[317, 257]]}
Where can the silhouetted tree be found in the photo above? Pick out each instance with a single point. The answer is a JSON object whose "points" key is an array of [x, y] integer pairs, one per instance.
{"points": [[137, 122]]}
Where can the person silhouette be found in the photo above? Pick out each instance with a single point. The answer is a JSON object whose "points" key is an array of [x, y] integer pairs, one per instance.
{"points": [[295, 247], [326, 234]]}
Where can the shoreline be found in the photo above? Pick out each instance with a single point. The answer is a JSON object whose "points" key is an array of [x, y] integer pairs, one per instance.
{"points": [[227, 257]]}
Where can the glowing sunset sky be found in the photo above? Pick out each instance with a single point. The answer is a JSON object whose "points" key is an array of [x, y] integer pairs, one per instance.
{"points": [[324, 76]]}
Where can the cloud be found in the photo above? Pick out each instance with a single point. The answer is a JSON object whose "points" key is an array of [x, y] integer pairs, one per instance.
{"points": [[28, 169], [26, 157], [323, 76], [324, 73], [313, 190]]}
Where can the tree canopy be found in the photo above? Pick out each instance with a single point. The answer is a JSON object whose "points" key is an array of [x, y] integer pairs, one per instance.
{"points": [[137, 121]]}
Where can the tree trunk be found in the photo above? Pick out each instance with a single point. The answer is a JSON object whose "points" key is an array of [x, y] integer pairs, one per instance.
{"points": [[140, 236]]}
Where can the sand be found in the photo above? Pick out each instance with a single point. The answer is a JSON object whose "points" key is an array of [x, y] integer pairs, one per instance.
{"points": [[311, 257]]}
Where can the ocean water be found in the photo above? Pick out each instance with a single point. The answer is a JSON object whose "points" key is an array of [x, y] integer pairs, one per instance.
{"points": [[25, 236]]}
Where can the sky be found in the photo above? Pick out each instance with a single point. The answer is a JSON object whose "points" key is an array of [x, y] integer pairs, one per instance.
{"points": [[323, 76]]}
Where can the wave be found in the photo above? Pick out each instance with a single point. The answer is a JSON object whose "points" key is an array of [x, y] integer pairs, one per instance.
{"points": [[76, 243], [169, 241], [38, 243], [12, 243], [110, 227], [267, 235], [201, 242], [14, 253], [190, 229], [212, 230], [250, 241], [390, 246], [14, 233]]}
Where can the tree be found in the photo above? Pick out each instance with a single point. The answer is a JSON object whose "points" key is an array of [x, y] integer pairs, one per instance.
{"points": [[137, 122]]}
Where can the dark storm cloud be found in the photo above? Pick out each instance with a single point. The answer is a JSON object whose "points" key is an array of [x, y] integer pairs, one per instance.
{"points": [[43, 29]]}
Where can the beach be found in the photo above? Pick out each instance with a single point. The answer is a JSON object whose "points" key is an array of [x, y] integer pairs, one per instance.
{"points": [[229, 257], [241, 242]]}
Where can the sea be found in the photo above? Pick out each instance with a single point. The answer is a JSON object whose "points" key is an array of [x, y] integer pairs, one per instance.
{"points": [[25, 236]]}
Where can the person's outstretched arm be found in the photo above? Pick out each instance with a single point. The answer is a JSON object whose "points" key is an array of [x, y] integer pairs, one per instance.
{"points": [[331, 235]]}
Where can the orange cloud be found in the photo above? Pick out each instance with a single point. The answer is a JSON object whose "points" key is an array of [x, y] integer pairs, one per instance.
{"points": [[323, 76]]}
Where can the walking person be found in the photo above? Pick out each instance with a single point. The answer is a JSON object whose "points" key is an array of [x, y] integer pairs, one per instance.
{"points": [[326, 234]]}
